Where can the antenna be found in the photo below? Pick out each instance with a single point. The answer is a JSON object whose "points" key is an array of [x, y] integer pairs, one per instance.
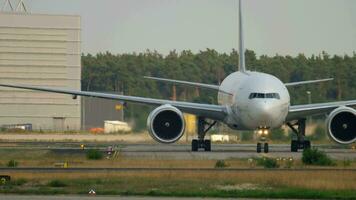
{"points": [[242, 66], [19, 8], [7, 2]]}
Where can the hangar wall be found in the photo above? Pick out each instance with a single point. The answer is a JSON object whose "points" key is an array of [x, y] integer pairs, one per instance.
{"points": [[40, 50]]}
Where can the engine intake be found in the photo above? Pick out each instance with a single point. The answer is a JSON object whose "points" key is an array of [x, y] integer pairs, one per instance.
{"points": [[341, 125], [166, 124]]}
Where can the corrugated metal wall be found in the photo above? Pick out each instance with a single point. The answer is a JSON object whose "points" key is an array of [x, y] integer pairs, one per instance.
{"points": [[41, 50]]}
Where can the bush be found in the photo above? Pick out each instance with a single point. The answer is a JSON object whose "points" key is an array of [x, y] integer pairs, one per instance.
{"points": [[268, 163], [94, 154], [221, 164], [316, 157], [12, 163], [57, 183]]}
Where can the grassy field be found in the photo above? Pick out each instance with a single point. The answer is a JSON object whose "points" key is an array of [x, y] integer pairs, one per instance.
{"points": [[77, 158], [266, 184], [271, 184]]}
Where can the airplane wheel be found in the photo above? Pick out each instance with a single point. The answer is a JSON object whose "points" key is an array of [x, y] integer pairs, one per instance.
{"points": [[265, 148], [294, 146], [259, 147], [194, 145], [307, 144], [207, 145]]}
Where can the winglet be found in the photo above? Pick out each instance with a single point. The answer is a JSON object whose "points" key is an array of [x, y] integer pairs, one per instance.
{"points": [[242, 66]]}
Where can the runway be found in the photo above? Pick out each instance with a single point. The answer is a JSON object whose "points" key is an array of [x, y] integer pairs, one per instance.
{"points": [[180, 151], [227, 151]]}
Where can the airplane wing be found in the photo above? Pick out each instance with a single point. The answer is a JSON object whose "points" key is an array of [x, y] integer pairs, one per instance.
{"points": [[308, 82], [302, 111], [193, 84], [216, 112]]}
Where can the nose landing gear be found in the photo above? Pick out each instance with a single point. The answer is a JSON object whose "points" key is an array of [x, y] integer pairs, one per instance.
{"points": [[263, 133], [265, 147]]}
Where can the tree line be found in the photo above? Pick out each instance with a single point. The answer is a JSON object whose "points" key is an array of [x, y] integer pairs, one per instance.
{"points": [[107, 72]]}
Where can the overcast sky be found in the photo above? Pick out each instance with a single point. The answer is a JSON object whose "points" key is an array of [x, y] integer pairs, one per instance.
{"points": [[285, 27]]}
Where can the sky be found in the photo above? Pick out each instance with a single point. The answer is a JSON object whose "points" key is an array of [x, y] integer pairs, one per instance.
{"points": [[284, 27]]}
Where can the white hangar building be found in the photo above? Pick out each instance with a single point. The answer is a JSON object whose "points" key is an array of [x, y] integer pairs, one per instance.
{"points": [[40, 50]]}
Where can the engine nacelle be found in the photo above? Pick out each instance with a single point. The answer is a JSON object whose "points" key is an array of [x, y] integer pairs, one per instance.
{"points": [[166, 124], [341, 125]]}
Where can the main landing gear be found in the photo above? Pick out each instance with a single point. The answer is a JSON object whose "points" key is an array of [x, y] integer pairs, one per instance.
{"points": [[200, 143], [299, 129], [262, 133]]}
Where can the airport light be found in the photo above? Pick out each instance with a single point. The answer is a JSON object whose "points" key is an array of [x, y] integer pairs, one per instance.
{"points": [[265, 132]]}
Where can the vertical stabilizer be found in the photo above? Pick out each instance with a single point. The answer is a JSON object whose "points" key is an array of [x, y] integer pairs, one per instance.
{"points": [[242, 66]]}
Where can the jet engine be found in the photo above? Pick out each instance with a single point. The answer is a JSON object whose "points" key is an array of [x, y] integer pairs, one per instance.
{"points": [[341, 125], [166, 124]]}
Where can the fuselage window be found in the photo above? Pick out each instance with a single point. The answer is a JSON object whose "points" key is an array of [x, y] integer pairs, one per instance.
{"points": [[264, 96]]}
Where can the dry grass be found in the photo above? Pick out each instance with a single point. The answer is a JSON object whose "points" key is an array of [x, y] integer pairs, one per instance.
{"points": [[46, 158], [322, 180]]}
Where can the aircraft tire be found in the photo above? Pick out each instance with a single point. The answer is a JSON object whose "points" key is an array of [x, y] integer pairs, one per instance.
{"points": [[194, 145], [265, 148], [207, 145], [259, 147], [294, 146]]}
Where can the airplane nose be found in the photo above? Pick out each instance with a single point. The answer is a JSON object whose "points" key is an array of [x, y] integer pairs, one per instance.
{"points": [[264, 113]]}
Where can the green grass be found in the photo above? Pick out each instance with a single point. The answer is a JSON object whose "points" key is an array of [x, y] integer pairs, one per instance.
{"points": [[57, 183], [12, 163], [94, 154], [220, 164]]}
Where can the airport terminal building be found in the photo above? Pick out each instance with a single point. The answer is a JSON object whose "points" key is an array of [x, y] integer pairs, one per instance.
{"points": [[40, 50]]}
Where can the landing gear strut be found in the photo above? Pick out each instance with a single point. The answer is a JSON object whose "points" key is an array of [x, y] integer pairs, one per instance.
{"points": [[299, 129], [200, 143]]}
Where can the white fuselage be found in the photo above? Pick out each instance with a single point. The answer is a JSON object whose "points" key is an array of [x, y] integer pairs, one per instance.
{"points": [[254, 100]]}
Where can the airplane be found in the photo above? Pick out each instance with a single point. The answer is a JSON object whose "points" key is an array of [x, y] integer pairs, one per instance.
{"points": [[247, 100]]}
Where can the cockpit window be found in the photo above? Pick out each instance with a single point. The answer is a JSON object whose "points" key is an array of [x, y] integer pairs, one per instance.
{"points": [[264, 96], [260, 95]]}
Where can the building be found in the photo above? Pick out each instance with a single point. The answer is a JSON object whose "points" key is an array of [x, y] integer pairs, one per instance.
{"points": [[40, 50], [95, 111]]}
